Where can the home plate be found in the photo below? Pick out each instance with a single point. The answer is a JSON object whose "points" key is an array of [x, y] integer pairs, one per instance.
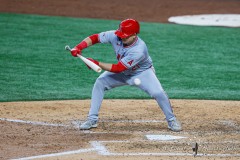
{"points": [[163, 137]]}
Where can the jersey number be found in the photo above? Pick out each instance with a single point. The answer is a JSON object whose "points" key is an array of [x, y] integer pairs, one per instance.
{"points": [[135, 67]]}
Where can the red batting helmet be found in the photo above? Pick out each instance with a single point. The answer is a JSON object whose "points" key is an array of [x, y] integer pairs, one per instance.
{"points": [[127, 28]]}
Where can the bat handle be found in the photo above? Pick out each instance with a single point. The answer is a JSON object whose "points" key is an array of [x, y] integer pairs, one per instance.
{"points": [[67, 48]]}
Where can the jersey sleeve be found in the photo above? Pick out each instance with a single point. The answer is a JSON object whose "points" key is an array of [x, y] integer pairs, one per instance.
{"points": [[107, 37]]}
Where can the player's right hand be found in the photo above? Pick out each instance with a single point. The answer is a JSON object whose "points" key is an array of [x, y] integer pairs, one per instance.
{"points": [[75, 51]]}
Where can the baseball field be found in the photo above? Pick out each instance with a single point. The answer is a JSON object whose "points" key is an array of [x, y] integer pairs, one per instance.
{"points": [[45, 92]]}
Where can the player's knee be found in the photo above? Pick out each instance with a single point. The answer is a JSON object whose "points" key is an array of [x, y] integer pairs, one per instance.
{"points": [[100, 83]]}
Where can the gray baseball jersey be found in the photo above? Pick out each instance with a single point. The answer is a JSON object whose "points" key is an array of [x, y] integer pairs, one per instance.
{"points": [[135, 57]]}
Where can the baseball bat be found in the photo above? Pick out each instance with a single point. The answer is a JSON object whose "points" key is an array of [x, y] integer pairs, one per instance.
{"points": [[86, 61]]}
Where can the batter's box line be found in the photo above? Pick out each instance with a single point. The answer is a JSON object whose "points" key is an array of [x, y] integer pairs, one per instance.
{"points": [[122, 121], [75, 125], [229, 123], [100, 148], [77, 122]]}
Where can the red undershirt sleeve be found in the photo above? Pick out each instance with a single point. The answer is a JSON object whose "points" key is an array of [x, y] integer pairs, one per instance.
{"points": [[94, 38], [82, 45], [117, 68]]}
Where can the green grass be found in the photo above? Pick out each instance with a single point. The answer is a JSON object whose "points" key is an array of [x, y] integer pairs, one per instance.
{"points": [[191, 62]]}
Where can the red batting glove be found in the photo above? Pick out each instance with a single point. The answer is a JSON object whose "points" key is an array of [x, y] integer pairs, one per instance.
{"points": [[75, 51], [94, 61]]}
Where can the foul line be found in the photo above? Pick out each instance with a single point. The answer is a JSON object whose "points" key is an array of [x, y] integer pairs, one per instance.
{"points": [[33, 122]]}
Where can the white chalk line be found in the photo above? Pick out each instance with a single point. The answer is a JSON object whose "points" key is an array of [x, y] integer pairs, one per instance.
{"points": [[97, 146], [75, 124], [33, 122], [78, 122], [58, 154], [229, 123], [100, 148], [170, 142]]}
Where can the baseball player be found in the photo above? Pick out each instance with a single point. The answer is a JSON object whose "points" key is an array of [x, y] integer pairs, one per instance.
{"points": [[134, 63]]}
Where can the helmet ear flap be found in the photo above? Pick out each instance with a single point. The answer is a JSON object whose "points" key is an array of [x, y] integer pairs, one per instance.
{"points": [[127, 28], [137, 27]]}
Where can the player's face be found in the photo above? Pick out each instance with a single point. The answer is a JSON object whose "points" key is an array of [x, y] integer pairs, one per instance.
{"points": [[129, 40]]}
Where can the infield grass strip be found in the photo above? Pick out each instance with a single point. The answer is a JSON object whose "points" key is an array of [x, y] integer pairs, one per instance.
{"points": [[191, 62]]}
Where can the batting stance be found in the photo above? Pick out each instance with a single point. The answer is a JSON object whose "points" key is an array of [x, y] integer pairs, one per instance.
{"points": [[134, 63]]}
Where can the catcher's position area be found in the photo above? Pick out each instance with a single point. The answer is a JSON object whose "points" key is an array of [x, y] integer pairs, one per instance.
{"points": [[50, 130]]}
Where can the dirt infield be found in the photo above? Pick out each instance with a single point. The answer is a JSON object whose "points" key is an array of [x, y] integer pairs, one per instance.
{"points": [[49, 129], [43, 128]]}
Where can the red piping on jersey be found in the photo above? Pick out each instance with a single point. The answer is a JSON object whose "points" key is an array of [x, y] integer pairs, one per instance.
{"points": [[119, 67]]}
